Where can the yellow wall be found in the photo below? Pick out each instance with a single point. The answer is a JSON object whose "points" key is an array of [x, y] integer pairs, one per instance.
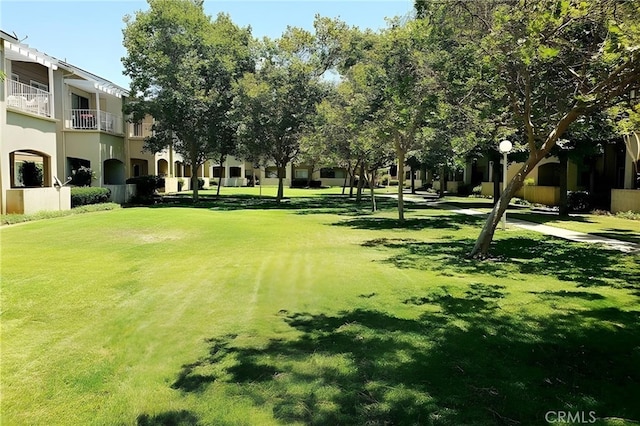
{"points": [[624, 200]]}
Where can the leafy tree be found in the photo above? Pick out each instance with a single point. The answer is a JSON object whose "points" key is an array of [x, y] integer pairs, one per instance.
{"points": [[31, 174], [182, 67], [556, 62], [408, 89], [276, 103]]}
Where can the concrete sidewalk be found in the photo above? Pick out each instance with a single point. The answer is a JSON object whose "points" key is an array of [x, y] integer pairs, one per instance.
{"points": [[610, 243]]}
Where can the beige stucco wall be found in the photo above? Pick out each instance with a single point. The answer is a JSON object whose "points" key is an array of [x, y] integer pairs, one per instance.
{"points": [[33, 200], [25, 132], [121, 193], [624, 200], [452, 185], [93, 146]]}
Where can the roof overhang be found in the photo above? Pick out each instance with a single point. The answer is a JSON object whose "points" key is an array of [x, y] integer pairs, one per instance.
{"points": [[20, 52], [95, 86]]}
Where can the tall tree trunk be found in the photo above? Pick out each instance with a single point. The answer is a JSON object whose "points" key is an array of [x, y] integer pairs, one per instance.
{"points": [[401, 155], [222, 158], [496, 181], [483, 243], [413, 180], [194, 176], [194, 185], [360, 184], [281, 173], [310, 175], [564, 206], [352, 178], [344, 184], [374, 207], [443, 181]]}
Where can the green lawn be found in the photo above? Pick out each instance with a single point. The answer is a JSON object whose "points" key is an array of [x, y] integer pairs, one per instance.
{"points": [[607, 226], [241, 311]]}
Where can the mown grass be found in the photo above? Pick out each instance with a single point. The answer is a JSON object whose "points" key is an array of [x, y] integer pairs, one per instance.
{"points": [[312, 312], [622, 226]]}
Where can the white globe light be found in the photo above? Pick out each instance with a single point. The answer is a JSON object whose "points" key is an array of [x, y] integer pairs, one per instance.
{"points": [[505, 146]]}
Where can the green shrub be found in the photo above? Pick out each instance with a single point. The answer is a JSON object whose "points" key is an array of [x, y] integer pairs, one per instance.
{"points": [[578, 201], [31, 174], [82, 176], [384, 179], [465, 190], [84, 195], [393, 182], [529, 182], [146, 188], [180, 184], [629, 215], [200, 183], [477, 190], [520, 202]]}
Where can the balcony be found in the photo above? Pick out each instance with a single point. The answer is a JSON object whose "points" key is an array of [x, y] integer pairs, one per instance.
{"points": [[29, 99], [140, 130], [93, 119]]}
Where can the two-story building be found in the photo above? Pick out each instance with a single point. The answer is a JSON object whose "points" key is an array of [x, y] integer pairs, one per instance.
{"points": [[28, 137]]}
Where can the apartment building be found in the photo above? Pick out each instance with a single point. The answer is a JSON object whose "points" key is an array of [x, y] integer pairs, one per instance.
{"points": [[28, 130]]}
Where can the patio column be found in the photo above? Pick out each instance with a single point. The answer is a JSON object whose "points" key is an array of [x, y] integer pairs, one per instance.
{"points": [[51, 92], [98, 111]]}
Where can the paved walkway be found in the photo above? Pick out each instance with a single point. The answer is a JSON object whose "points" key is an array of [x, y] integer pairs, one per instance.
{"points": [[582, 237]]}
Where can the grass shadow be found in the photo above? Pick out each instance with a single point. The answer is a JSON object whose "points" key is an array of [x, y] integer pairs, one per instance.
{"points": [[170, 418], [460, 360], [452, 222], [321, 204], [585, 264]]}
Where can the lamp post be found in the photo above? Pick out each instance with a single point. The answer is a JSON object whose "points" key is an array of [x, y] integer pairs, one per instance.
{"points": [[505, 147]]}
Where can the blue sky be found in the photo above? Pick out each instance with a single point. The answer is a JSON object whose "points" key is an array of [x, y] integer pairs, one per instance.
{"points": [[88, 33]]}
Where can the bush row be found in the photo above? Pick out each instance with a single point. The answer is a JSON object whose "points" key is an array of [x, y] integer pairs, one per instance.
{"points": [[84, 195]]}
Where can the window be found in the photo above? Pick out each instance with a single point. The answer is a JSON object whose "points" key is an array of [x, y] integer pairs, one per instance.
{"points": [[79, 102], [549, 174], [234, 172], [327, 173], [302, 173], [39, 85], [333, 173]]}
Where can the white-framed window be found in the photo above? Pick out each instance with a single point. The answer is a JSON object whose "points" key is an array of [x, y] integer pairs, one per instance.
{"points": [[39, 85], [301, 173]]}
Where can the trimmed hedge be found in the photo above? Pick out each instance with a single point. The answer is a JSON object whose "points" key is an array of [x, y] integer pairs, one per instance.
{"points": [[146, 186], [84, 195], [302, 183]]}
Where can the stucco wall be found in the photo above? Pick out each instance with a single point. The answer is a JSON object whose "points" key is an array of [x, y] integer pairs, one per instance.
{"points": [[121, 193], [624, 200], [33, 200]]}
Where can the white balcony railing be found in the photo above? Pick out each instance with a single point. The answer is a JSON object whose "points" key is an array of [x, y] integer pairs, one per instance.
{"points": [[93, 119], [140, 130], [29, 99]]}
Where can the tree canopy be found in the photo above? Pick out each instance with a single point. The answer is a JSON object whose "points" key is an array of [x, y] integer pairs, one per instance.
{"points": [[182, 67]]}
